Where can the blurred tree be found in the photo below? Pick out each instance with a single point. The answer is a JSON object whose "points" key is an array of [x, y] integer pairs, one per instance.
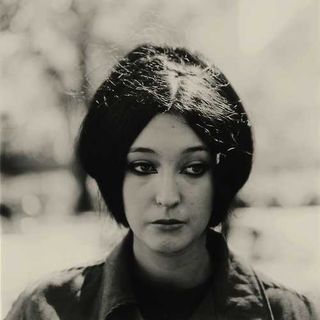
{"points": [[70, 44], [54, 54], [55, 35], [85, 21], [7, 11]]}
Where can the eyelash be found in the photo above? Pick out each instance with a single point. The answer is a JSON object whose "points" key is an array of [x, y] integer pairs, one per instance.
{"points": [[201, 168], [150, 169], [133, 167]]}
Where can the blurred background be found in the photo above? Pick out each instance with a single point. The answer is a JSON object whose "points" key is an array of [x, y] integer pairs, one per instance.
{"points": [[53, 56]]}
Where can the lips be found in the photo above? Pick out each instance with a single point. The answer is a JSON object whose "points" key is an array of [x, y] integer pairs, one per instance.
{"points": [[168, 222]]}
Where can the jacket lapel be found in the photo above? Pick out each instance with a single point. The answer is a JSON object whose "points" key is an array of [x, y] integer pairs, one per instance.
{"points": [[235, 292], [116, 290]]}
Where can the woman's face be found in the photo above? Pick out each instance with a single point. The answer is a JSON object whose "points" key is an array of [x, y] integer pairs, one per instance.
{"points": [[168, 188]]}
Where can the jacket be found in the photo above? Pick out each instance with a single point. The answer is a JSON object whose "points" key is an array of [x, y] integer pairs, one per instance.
{"points": [[103, 291]]}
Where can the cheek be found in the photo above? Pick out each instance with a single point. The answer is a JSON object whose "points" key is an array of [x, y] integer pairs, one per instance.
{"points": [[134, 189], [201, 197], [135, 198], [128, 196], [129, 202], [126, 191], [204, 189]]}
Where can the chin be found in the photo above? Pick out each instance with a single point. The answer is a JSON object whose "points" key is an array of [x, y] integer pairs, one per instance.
{"points": [[169, 246]]}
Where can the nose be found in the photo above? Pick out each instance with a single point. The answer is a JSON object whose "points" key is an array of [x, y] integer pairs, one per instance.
{"points": [[167, 191]]}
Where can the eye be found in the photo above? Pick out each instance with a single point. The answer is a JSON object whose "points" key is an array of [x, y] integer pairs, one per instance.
{"points": [[142, 167], [195, 169]]}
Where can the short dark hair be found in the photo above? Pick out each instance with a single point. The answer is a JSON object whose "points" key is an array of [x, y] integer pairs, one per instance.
{"points": [[151, 80]]}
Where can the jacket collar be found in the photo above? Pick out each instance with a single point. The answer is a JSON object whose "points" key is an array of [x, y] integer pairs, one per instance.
{"points": [[235, 291], [117, 288]]}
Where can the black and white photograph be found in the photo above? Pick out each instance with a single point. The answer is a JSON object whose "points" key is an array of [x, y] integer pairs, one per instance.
{"points": [[160, 159]]}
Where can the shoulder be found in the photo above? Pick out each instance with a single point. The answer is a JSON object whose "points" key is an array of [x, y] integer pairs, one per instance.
{"points": [[46, 298], [287, 303], [282, 302]]}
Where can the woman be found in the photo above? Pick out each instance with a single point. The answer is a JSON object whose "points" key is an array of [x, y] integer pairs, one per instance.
{"points": [[169, 144]]}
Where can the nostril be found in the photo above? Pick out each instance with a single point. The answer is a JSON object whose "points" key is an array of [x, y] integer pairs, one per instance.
{"points": [[167, 203], [168, 199]]}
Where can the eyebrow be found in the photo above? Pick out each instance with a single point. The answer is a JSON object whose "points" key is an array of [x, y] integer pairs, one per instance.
{"points": [[188, 150], [195, 148]]}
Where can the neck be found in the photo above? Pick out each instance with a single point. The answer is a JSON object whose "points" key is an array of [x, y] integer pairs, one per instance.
{"points": [[185, 269]]}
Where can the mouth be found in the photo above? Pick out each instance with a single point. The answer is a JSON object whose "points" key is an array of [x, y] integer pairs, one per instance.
{"points": [[168, 223]]}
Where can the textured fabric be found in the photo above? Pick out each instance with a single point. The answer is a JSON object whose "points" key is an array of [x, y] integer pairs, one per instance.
{"points": [[105, 291], [160, 302]]}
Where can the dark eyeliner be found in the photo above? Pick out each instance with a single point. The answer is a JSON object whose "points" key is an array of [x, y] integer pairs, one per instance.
{"points": [[132, 166], [204, 168]]}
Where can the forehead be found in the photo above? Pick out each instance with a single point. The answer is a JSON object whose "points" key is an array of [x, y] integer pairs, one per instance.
{"points": [[167, 132]]}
